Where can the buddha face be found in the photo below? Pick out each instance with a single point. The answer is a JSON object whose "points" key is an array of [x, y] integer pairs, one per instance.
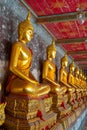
{"points": [[53, 54], [72, 68], [66, 63], [29, 35]]}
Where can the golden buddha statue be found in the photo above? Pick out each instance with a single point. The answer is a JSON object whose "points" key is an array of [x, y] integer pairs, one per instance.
{"points": [[63, 78], [21, 80], [71, 82], [78, 84], [62, 72], [49, 70], [82, 82], [28, 103], [76, 72], [85, 87], [71, 74], [80, 78], [58, 92]]}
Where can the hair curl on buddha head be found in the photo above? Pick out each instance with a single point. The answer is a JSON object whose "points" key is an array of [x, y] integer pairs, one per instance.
{"points": [[51, 47], [24, 26]]}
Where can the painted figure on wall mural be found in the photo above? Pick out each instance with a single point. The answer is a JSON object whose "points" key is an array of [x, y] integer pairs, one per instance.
{"points": [[21, 80]]}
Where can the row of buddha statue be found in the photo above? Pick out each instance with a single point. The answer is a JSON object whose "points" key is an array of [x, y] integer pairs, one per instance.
{"points": [[52, 104]]}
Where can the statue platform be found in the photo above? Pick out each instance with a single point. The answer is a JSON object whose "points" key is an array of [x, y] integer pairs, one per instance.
{"points": [[25, 113]]}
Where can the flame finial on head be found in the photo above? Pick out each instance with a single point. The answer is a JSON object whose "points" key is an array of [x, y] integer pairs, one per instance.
{"points": [[51, 47], [28, 16]]}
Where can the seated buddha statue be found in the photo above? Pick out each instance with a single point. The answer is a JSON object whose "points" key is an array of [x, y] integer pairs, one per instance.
{"points": [[76, 73], [49, 70], [80, 78], [71, 74], [63, 78], [77, 84], [58, 92], [83, 86], [63, 72], [21, 81], [71, 82], [82, 83]]}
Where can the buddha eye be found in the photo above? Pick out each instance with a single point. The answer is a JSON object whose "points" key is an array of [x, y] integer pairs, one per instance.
{"points": [[29, 31]]}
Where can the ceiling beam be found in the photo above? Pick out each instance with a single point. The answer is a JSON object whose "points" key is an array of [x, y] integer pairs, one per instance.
{"points": [[82, 64], [76, 52], [80, 59], [58, 18], [83, 67], [71, 40]]}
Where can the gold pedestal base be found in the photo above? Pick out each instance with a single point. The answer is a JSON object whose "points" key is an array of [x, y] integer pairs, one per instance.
{"points": [[83, 107], [24, 113], [59, 105], [74, 105], [58, 126], [77, 112], [66, 121], [12, 123], [73, 116], [80, 102]]}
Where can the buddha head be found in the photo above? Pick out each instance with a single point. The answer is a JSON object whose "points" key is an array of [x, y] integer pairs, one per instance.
{"points": [[64, 61], [77, 71], [51, 51], [25, 30], [80, 74], [72, 67], [85, 77]]}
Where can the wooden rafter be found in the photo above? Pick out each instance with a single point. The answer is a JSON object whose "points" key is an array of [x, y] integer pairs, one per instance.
{"points": [[82, 64], [80, 59], [77, 52], [58, 18], [71, 40]]}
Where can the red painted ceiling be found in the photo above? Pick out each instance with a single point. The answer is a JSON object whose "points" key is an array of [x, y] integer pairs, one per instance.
{"points": [[63, 30], [75, 47], [48, 7]]}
